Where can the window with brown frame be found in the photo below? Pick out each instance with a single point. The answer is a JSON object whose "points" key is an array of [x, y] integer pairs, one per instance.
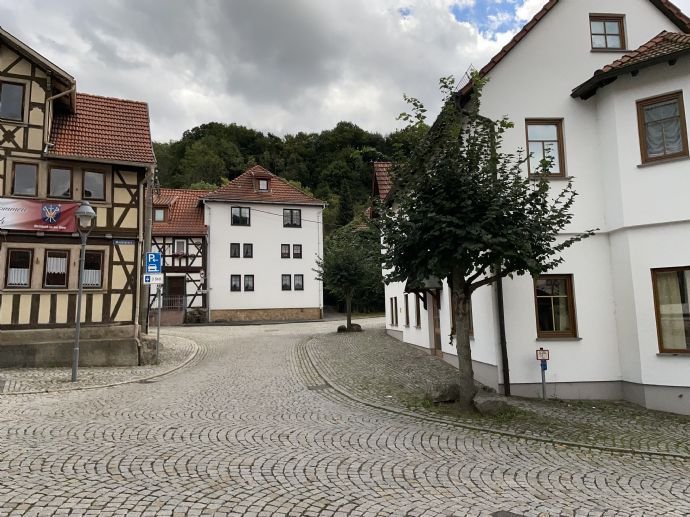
{"points": [[18, 272], [672, 308], [417, 311], [297, 251], [555, 306], [11, 101], [159, 215], [284, 251], [94, 185], [607, 31], [407, 311], [55, 268], [545, 146], [25, 179], [93, 270], [395, 311], [60, 182], [661, 124]]}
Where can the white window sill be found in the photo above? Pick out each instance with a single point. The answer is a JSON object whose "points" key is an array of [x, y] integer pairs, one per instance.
{"points": [[542, 339]]}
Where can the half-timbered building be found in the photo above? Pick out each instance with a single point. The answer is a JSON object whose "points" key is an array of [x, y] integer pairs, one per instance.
{"points": [[57, 148], [179, 234]]}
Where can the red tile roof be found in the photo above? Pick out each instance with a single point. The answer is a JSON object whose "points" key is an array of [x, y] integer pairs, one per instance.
{"points": [[665, 46], [244, 188], [382, 179], [104, 129], [671, 11], [185, 215]]}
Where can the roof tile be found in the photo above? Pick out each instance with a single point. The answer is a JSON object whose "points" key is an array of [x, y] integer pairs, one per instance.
{"points": [[244, 189], [185, 212], [382, 179], [104, 128]]}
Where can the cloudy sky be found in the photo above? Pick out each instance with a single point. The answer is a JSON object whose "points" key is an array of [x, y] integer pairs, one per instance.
{"points": [[274, 65]]}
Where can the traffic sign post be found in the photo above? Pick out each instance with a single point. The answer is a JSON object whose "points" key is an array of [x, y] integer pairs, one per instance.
{"points": [[154, 278], [159, 294], [153, 262], [543, 357]]}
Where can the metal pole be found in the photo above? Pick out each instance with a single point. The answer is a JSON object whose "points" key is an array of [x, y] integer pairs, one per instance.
{"points": [[543, 379], [75, 352], [158, 331]]}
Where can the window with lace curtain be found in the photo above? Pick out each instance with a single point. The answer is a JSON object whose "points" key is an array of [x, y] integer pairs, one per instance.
{"points": [[555, 306], [55, 268], [671, 306], [93, 270], [18, 268], [661, 124]]}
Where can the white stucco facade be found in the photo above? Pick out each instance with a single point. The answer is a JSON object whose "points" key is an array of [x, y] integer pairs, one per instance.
{"points": [[641, 212], [266, 234]]}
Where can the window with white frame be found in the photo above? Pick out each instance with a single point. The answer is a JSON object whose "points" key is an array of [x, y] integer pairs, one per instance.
{"points": [[180, 247]]}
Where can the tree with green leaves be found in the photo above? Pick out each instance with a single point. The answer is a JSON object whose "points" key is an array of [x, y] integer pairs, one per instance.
{"points": [[351, 265], [465, 211]]}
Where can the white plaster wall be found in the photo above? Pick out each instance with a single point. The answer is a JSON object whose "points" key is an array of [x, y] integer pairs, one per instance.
{"points": [[266, 233], [656, 247], [593, 355]]}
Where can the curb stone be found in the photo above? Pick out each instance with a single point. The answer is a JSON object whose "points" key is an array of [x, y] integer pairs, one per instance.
{"points": [[345, 392], [184, 363]]}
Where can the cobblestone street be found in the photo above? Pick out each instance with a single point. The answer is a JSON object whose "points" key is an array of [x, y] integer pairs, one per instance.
{"points": [[250, 427]]}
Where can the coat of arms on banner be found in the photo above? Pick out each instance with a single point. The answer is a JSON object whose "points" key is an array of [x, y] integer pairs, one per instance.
{"points": [[50, 214]]}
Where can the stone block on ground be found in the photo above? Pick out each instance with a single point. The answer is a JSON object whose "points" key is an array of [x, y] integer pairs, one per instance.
{"points": [[490, 406], [444, 393]]}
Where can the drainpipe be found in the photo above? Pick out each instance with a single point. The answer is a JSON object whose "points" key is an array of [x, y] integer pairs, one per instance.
{"points": [[146, 246], [49, 113], [502, 337]]}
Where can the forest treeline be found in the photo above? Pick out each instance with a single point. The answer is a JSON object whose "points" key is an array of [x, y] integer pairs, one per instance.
{"points": [[334, 165]]}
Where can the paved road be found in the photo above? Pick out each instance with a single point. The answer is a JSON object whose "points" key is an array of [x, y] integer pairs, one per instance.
{"points": [[250, 429]]}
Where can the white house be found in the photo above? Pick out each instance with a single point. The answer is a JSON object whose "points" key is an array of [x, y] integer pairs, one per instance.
{"points": [[615, 315], [264, 237]]}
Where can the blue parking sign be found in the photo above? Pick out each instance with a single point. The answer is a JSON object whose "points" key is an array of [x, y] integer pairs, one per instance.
{"points": [[153, 262]]}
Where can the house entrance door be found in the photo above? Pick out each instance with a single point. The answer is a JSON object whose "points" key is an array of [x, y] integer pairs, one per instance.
{"points": [[436, 326], [174, 295]]}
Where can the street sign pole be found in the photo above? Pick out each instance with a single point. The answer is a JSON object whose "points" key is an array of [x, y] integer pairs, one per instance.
{"points": [[158, 331], [543, 357]]}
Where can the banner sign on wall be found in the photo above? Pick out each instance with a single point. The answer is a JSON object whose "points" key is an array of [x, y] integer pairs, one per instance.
{"points": [[37, 216]]}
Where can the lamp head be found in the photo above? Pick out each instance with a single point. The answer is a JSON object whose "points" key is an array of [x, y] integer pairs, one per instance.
{"points": [[85, 216]]}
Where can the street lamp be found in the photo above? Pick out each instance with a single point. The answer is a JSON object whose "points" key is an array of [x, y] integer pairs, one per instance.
{"points": [[85, 217]]}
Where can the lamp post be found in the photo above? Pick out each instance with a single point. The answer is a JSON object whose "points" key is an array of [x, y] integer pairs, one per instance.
{"points": [[85, 216]]}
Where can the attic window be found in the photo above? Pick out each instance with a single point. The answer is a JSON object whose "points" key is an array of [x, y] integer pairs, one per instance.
{"points": [[263, 185], [159, 215], [607, 31]]}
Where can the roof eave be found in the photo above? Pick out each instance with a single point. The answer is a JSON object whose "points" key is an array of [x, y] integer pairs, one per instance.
{"points": [[99, 160], [249, 202], [589, 88]]}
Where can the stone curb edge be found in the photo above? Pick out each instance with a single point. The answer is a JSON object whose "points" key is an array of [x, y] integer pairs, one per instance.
{"points": [[345, 392], [188, 360]]}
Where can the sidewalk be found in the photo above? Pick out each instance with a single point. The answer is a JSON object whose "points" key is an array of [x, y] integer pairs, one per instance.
{"points": [[382, 371], [174, 352]]}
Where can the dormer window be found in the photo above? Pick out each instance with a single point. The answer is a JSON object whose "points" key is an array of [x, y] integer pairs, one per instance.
{"points": [[11, 101], [263, 185], [159, 215], [607, 31]]}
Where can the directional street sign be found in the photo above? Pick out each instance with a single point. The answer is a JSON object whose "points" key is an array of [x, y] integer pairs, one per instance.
{"points": [[153, 262], [154, 278]]}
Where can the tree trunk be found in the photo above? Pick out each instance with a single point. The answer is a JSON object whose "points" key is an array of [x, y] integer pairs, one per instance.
{"points": [[348, 304], [461, 306]]}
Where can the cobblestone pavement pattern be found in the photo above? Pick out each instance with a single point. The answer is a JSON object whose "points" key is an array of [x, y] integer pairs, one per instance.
{"points": [[250, 428], [383, 371], [174, 351]]}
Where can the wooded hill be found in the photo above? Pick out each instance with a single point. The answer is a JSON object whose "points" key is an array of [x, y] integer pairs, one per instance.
{"points": [[334, 165]]}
